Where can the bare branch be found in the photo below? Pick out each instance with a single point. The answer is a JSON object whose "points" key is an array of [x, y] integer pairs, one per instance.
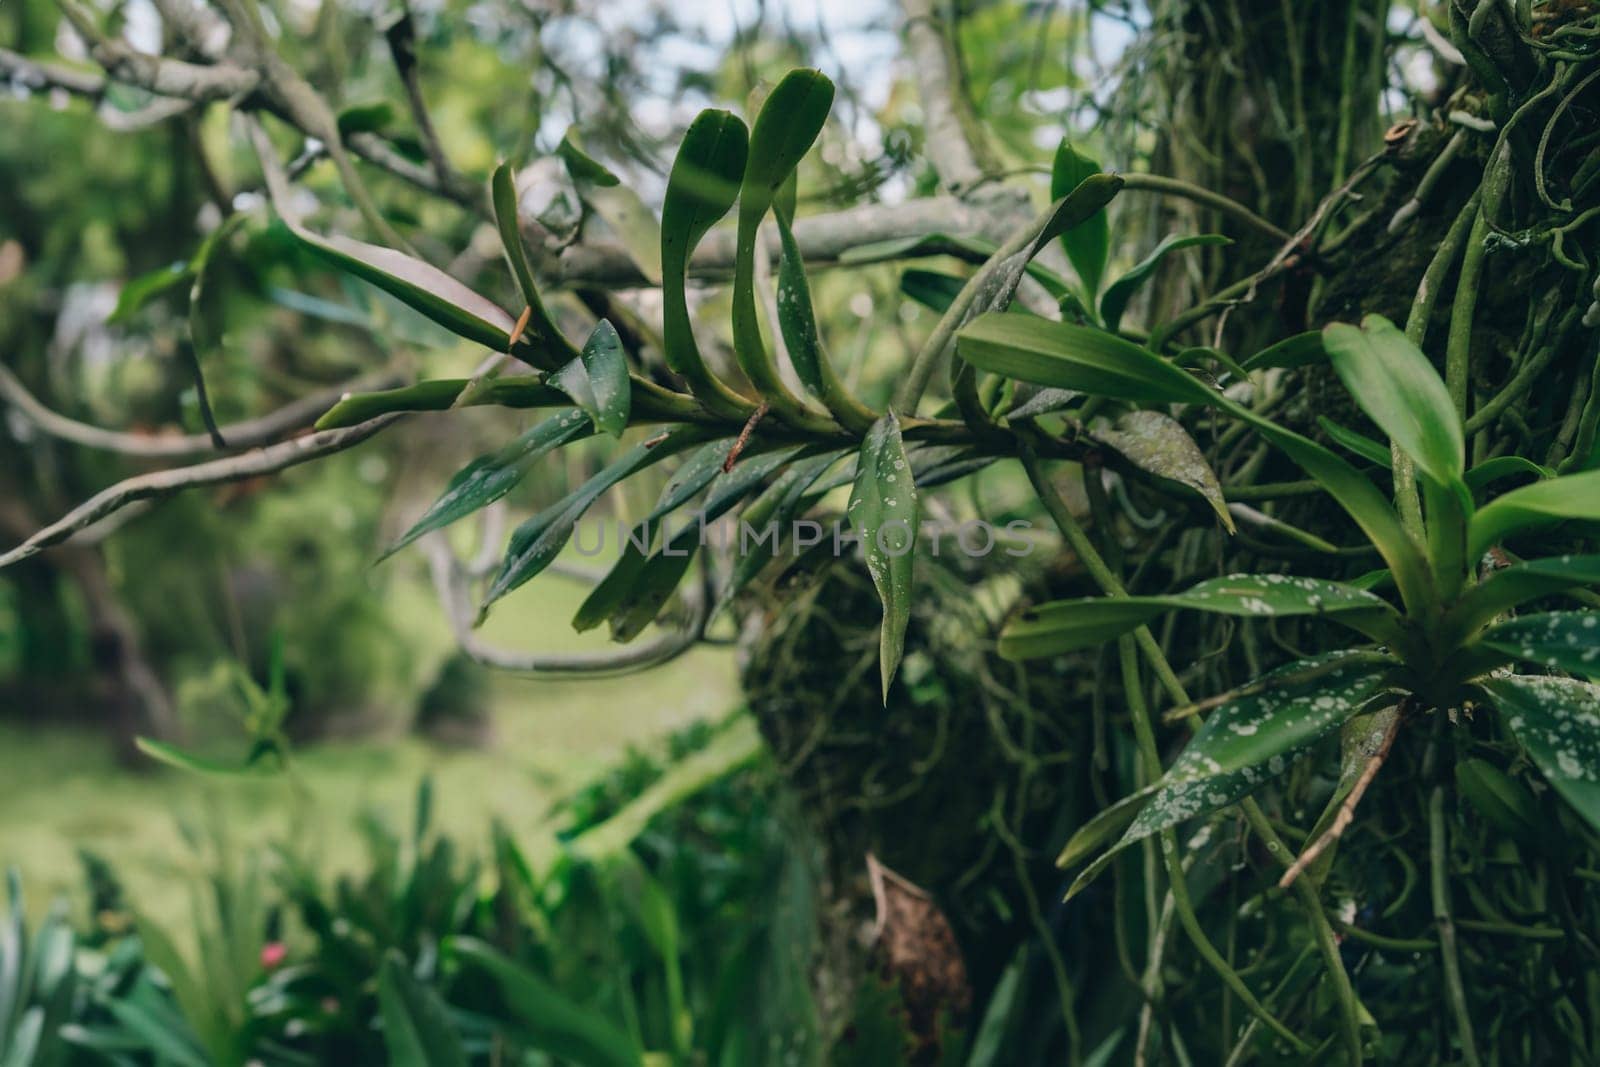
{"points": [[823, 239], [159, 74], [32, 74], [250, 433], [168, 482], [953, 140]]}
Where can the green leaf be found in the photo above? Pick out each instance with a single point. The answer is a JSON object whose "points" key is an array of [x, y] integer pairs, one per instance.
{"points": [[420, 286], [1518, 584], [1088, 243], [701, 188], [883, 510], [1067, 625], [790, 120], [777, 505], [417, 1031], [597, 381], [546, 346], [439, 394], [488, 478], [146, 287], [1360, 444], [365, 118], [1251, 739], [1565, 640], [536, 543], [1158, 443], [172, 756], [208, 317], [1398, 388], [1120, 292], [1300, 350], [1499, 798], [931, 288], [1065, 356], [580, 164], [628, 216], [545, 1019], [798, 323], [1492, 470], [1533, 507], [1557, 722], [1082, 358]]}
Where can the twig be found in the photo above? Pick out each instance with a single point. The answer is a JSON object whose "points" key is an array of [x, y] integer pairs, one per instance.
{"points": [[168, 482], [1347, 810], [250, 433], [744, 437]]}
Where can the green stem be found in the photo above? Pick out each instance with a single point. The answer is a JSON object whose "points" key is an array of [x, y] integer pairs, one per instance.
{"points": [[1080, 543], [1155, 183], [1439, 879]]}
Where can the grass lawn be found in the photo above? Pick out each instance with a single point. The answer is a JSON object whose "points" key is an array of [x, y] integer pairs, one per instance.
{"points": [[60, 789]]}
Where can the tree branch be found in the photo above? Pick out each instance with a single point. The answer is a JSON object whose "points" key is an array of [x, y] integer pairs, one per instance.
{"points": [[166, 483], [823, 239], [953, 141], [250, 433]]}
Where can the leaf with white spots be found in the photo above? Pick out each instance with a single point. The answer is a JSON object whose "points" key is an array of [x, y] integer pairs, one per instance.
{"points": [[1521, 582], [1068, 625], [1565, 640], [1557, 721], [1158, 444], [883, 510], [1252, 739], [597, 381]]}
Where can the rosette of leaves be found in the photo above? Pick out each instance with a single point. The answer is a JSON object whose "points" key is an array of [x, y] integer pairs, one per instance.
{"points": [[1427, 633]]}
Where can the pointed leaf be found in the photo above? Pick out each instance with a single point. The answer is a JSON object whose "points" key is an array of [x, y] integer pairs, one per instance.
{"points": [[420, 286], [536, 543], [1557, 722], [1251, 740], [628, 216], [208, 318], [1400, 391], [1300, 350], [787, 126], [597, 381], [1520, 583], [1159, 444], [798, 323], [417, 1030], [1492, 470], [546, 1019], [883, 510], [138, 292], [1565, 640], [439, 394], [1065, 356], [1532, 507], [1088, 243], [1120, 292], [547, 346], [488, 478], [1067, 625], [1360, 444]]}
